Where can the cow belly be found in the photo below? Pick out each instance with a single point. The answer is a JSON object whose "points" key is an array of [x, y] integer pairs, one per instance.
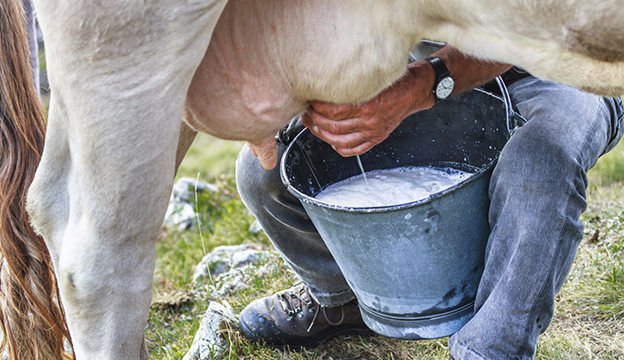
{"points": [[268, 58], [232, 106], [238, 91]]}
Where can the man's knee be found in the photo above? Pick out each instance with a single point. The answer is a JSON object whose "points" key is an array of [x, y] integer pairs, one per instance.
{"points": [[535, 155], [564, 124], [255, 185]]}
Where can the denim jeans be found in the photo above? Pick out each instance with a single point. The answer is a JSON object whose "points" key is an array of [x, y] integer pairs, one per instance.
{"points": [[537, 195]]}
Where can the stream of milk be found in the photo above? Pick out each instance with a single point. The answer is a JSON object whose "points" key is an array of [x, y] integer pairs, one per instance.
{"points": [[391, 186], [359, 161]]}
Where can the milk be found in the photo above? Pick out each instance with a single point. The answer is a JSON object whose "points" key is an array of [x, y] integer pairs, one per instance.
{"points": [[391, 186]]}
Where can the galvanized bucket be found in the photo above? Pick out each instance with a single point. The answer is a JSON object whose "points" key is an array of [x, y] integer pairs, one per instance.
{"points": [[414, 267]]}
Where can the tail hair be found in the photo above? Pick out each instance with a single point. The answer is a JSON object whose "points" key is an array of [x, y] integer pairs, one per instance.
{"points": [[31, 314]]}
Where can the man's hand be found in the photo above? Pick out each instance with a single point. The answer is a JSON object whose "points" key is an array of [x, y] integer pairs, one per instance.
{"points": [[355, 129]]}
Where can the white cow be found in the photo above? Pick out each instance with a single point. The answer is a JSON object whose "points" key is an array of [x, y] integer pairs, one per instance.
{"points": [[129, 77]]}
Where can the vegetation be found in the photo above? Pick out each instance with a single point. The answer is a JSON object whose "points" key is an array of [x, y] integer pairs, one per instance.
{"points": [[589, 317]]}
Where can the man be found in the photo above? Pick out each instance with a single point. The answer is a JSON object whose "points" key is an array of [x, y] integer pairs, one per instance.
{"points": [[537, 195]]}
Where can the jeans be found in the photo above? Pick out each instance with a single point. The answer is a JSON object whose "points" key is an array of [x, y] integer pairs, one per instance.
{"points": [[537, 195]]}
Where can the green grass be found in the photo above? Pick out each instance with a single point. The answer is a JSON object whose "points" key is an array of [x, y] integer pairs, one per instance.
{"points": [[610, 168], [210, 157], [589, 316]]}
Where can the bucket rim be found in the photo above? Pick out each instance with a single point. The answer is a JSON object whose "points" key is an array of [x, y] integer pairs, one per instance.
{"points": [[386, 208]]}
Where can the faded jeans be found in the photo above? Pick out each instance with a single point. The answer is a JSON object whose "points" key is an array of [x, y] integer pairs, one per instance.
{"points": [[537, 196]]}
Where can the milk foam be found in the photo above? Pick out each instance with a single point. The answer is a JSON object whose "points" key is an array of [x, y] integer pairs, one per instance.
{"points": [[392, 186]]}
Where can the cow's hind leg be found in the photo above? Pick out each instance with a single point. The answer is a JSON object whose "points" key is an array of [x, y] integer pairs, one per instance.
{"points": [[119, 76]]}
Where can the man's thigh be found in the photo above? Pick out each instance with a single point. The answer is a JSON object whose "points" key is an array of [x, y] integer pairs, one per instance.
{"points": [[565, 120]]}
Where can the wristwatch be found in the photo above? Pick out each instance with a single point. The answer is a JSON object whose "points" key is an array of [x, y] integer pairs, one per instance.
{"points": [[444, 83]]}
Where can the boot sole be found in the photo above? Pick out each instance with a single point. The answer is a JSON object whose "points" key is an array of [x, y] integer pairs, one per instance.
{"points": [[313, 341]]}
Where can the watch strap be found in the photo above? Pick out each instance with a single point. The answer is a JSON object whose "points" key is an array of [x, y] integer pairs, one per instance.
{"points": [[440, 70]]}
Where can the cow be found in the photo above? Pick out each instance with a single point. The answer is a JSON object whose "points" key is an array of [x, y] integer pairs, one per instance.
{"points": [[133, 81]]}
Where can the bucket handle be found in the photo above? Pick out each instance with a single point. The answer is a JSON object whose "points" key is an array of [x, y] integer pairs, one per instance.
{"points": [[513, 119]]}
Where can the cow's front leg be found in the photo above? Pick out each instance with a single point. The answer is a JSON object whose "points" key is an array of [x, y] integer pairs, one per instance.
{"points": [[119, 73], [98, 200]]}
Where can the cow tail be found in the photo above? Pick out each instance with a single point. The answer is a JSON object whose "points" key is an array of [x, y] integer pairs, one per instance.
{"points": [[31, 315]]}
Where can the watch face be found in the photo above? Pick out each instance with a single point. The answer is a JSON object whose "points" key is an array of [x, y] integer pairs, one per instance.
{"points": [[445, 87]]}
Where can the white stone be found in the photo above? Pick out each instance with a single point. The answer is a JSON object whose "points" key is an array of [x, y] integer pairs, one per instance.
{"points": [[209, 342], [246, 257], [255, 227], [181, 211], [185, 188], [221, 259]]}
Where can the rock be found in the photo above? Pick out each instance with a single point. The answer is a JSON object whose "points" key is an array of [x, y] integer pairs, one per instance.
{"points": [[238, 278], [246, 257], [181, 216], [181, 211], [185, 188], [255, 227], [228, 269], [230, 282], [224, 258], [209, 342]]}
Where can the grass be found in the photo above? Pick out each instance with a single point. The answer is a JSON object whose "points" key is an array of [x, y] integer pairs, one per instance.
{"points": [[609, 169], [589, 316], [210, 157]]}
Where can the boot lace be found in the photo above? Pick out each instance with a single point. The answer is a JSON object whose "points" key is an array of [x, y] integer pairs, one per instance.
{"points": [[294, 301]]}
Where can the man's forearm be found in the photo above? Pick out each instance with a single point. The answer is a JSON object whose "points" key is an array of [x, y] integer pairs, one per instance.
{"points": [[468, 73]]}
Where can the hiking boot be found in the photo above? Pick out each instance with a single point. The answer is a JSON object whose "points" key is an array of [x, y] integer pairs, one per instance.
{"points": [[292, 317]]}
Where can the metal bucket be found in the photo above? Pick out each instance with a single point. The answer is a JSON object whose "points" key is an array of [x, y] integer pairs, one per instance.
{"points": [[414, 267]]}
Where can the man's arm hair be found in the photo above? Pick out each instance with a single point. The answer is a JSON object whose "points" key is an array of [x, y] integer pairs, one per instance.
{"points": [[467, 71]]}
